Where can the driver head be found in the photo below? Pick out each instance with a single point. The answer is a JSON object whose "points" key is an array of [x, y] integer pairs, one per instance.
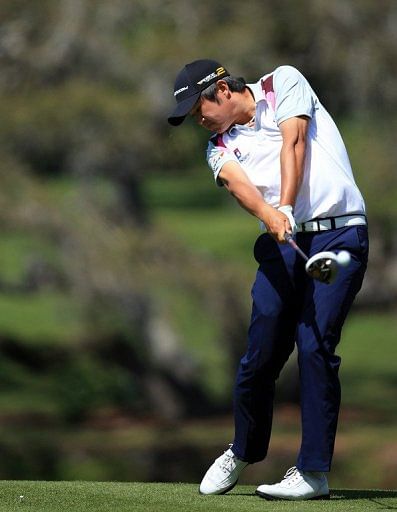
{"points": [[323, 267]]}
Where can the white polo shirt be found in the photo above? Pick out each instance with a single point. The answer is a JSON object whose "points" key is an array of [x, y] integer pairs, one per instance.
{"points": [[328, 188]]}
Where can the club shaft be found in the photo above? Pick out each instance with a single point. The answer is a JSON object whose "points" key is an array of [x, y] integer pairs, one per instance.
{"points": [[293, 244]]}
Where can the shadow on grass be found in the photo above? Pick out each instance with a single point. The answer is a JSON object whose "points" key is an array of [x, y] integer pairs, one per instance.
{"points": [[359, 494], [349, 494]]}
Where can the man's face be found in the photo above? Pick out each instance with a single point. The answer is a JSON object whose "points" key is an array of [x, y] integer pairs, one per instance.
{"points": [[215, 116]]}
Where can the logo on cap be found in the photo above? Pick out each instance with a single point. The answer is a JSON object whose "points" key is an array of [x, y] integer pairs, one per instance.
{"points": [[181, 90], [218, 72]]}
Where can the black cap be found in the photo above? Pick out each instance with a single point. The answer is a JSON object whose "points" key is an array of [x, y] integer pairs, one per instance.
{"points": [[190, 82]]}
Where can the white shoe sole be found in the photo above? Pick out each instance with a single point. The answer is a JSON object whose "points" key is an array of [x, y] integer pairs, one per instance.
{"points": [[269, 497]]}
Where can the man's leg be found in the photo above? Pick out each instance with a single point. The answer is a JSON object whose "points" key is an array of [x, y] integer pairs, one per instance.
{"points": [[319, 328], [270, 343], [319, 331]]}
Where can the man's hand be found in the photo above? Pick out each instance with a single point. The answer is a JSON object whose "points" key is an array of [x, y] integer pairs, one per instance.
{"points": [[277, 224]]}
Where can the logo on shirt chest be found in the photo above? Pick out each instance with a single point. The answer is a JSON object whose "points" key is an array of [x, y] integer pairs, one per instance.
{"points": [[239, 155], [237, 152]]}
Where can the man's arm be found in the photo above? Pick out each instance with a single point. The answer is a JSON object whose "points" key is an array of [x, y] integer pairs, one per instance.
{"points": [[249, 197], [292, 157]]}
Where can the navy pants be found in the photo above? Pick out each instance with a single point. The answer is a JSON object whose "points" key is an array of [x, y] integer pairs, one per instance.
{"points": [[289, 307]]}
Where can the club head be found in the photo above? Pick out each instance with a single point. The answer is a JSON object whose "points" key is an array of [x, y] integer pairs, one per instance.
{"points": [[323, 267]]}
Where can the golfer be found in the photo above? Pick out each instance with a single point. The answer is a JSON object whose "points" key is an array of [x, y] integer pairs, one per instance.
{"points": [[276, 149]]}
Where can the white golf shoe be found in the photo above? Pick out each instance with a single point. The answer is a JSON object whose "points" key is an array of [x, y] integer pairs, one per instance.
{"points": [[222, 476], [297, 485]]}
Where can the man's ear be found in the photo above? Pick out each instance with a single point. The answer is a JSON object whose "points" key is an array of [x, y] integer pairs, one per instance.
{"points": [[222, 88]]}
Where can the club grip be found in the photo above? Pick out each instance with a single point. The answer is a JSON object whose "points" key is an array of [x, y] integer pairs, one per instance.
{"points": [[291, 241]]}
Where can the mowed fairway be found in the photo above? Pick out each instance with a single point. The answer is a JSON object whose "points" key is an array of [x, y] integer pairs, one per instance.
{"points": [[148, 497]]}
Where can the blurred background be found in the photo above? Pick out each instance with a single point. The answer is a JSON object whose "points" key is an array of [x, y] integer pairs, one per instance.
{"points": [[125, 273]]}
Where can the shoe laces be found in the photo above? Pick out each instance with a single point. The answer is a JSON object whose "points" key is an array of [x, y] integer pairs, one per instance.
{"points": [[292, 473], [228, 464]]}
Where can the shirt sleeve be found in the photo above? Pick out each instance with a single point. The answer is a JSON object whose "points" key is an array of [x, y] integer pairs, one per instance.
{"points": [[294, 96], [217, 156]]}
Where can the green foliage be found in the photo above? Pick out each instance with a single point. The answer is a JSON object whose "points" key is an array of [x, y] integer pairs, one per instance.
{"points": [[87, 384], [78, 127]]}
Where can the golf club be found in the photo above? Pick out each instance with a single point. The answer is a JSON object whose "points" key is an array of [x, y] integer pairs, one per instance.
{"points": [[322, 266]]}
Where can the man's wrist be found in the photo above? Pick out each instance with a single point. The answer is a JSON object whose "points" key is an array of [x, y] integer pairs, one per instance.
{"points": [[288, 210]]}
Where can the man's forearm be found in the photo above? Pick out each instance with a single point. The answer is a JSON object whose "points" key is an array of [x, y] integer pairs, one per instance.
{"points": [[249, 198], [292, 158]]}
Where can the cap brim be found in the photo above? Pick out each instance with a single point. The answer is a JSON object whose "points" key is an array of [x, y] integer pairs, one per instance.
{"points": [[182, 109]]}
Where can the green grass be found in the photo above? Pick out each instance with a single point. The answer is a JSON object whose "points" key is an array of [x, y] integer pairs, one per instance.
{"points": [[19, 250], [203, 216], [366, 336], [196, 190], [44, 317], [368, 369], [201, 340], [225, 235], [139, 497]]}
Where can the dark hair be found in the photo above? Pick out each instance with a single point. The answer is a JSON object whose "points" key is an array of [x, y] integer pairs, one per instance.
{"points": [[235, 85]]}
